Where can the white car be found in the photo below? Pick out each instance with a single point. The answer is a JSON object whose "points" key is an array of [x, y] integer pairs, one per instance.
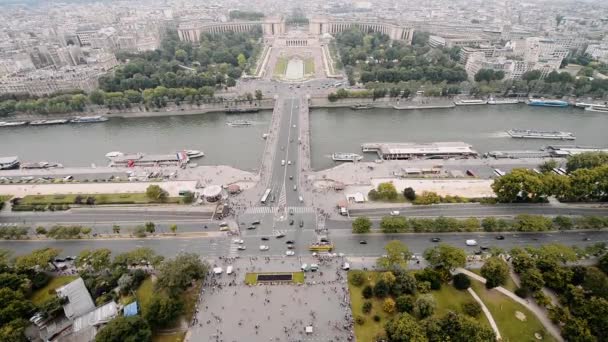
{"points": [[241, 248], [283, 162], [264, 248], [290, 253], [289, 162], [471, 243], [239, 241], [395, 213]]}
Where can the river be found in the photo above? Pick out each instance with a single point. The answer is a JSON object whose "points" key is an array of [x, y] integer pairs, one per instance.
{"points": [[84, 144], [333, 130], [484, 126]]}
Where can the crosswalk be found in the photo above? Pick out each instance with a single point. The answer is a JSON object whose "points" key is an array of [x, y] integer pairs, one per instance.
{"points": [[233, 250], [283, 197], [260, 210], [301, 210]]}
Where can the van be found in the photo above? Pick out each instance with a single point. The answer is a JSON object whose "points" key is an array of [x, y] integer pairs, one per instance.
{"points": [[229, 269], [471, 243], [346, 266], [343, 211], [395, 213], [314, 267]]}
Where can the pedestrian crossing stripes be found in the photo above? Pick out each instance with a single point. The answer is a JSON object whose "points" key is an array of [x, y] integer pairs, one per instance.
{"points": [[233, 250], [283, 197], [259, 210], [301, 210]]}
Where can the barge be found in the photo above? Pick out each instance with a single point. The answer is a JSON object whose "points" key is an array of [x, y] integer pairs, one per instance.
{"points": [[531, 134], [89, 119], [361, 106], [141, 159], [470, 102], [48, 122], [348, 157], [435, 150], [241, 110]]}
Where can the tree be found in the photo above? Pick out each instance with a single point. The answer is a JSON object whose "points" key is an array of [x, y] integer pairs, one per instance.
{"points": [[13, 305], [173, 228], [496, 272], [409, 194], [156, 193], [388, 305], [587, 160], [532, 279], [404, 328], [163, 310], [138, 256], [387, 191], [381, 289], [258, 94], [405, 303], [362, 225], [116, 229], [150, 227], [577, 330], [397, 256], [424, 306], [471, 308], [404, 283], [181, 55], [532, 223], [86, 230], [563, 222], [14, 331], [96, 259], [461, 281], [241, 60], [596, 282], [393, 224], [177, 274], [603, 263], [125, 329], [37, 258], [548, 166], [445, 257], [97, 97], [519, 185], [356, 277], [427, 197], [40, 230], [367, 292]]}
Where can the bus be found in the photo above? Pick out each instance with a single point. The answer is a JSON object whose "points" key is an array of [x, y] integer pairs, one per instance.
{"points": [[265, 196]]}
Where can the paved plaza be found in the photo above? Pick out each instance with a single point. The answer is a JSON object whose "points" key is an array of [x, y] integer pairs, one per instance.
{"points": [[231, 311]]}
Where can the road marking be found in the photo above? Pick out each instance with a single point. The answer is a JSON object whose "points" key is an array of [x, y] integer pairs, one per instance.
{"points": [[260, 210], [301, 210]]}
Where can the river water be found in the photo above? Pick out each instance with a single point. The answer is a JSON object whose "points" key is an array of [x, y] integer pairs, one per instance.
{"points": [[84, 144], [483, 126], [333, 130]]}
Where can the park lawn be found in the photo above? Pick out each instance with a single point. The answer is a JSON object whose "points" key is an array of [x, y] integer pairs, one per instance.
{"points": [[509, 285], [371, 328], [451, 299], [399, 199], [144, 294], [309, 66], [280, 67], [47, 292], [175, 337], [135, 198], [190, 298], [503, 310]]}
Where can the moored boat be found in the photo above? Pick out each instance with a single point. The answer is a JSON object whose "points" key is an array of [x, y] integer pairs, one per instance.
{"points": [[242, 110], [12, 123], [48, 122], [238, 123], [547, 103], [9, 163], [494, 101], [361, 106], [89, 119], [470, 102], [114, 154], [595, 108], [194, 153], [340, 156]]}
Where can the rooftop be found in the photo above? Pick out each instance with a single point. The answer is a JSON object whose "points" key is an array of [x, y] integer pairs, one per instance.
{"points": [[79, 300]]}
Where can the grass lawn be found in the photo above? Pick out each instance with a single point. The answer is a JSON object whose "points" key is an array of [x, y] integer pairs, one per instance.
{"points": [[4, 198], [309, 66], [136, 198], [400, 199], [190, 297], [42, 295], [251, 278], [510, 285], [503, 310], [451, 299], [175, 337], [371, 328], [144, 294], [281, 67]]}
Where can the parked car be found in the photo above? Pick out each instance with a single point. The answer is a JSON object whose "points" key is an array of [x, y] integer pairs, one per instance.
{"points": [[435, 239], [363, 242], [395, 213], [500, 237]]}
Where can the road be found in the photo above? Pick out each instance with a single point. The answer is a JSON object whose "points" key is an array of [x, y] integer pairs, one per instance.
{"points": [[344, 241], [478, 210]]}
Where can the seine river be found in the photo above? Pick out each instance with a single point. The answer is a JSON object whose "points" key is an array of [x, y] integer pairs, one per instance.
{"points": [[333, 130]]}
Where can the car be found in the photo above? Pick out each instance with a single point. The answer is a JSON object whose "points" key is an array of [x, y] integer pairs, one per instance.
{"points": [[223, 229], [291, 211], [290, 247], [290, 177], [294, 126], [224, 224], [363, 242], [241, 248], [471, 242], [283, 162], [291, 222], [264, 248], [289, 162], [395, 213], [290, 253], [435, 239], [251, 228], [295, 187], [280, 235], [587, 239], [478, 252], [484, 247], [289, 242], [255, 222], [238, 241], [264, 239], [301, 223], [346, 266], [500, 237]]}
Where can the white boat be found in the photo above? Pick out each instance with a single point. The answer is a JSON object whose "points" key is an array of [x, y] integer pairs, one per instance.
{"points": [[48, 122], [470, 102], [239, 123], [12, 123], [114, 154], [346, 157], [531, 134], [586, 105], [493, 101], [194, 153], [595, 108], [89, 119]]}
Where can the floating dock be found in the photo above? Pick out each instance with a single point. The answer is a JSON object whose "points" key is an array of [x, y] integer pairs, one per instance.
{"points": [[435, 150]]}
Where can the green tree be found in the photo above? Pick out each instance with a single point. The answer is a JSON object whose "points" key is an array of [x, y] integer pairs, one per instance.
{"points": [[37, 258], [519, 185], [587, 160], [393, 224], [177, 274], [13, 306], [116, 229], [97, 97], [387, 191], [548, 166], [173, 228], [258, 95], [405, 303], [471, 308], [40, 230], [427, 197], [163, 310], [409, 194], [397, 256], [14, 331], [138, 256], [150, 227], [181, 55], [496, 272], [461, 281], [532, 223], [156, 193], [388, 305], [445, 257], [577, 330], [563, 222], [356, 277], [125, 329], [404, 328], [362, 225], [96, 259], [424, 306]]}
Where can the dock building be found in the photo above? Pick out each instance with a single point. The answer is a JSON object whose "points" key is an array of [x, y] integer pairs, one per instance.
{"points": [[435, 150]]}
